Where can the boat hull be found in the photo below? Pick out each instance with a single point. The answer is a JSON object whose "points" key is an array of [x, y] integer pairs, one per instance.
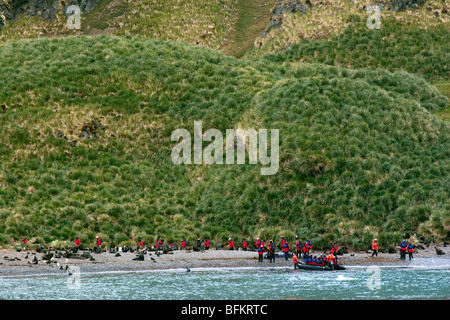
{"points": [[318, 268]]}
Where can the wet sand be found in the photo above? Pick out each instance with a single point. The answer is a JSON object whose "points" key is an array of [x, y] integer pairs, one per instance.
{"points": [[108, 262]]}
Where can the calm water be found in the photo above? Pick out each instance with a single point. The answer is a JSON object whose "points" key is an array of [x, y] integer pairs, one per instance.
{"points": [[418, 281]]}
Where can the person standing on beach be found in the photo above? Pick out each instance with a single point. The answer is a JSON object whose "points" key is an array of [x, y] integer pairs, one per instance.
{"points": [[258, 243], [244, 245], [295, 260], [98, 242], [183, 245], [403, 250], [286, 250], [271, 248], [299, 248], [77, 242], [375, 247], [306, 248], [410, 251], [140, 244], [98, 245], [334, 249], [207, 244], [260, 254], [231, 243]]}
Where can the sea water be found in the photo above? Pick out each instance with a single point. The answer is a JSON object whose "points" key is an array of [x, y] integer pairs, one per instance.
{"points": [[422, 280]]}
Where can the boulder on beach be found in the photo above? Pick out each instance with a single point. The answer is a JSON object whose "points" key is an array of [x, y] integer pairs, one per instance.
{"points": [[439, 251]]}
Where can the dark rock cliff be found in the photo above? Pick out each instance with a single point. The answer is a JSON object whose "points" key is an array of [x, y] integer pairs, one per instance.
{"points": [[11, 9]]}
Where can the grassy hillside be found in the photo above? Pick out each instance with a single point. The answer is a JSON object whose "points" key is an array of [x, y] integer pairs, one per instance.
{"points": [[208, 23], [361, 155], [335, 32]]}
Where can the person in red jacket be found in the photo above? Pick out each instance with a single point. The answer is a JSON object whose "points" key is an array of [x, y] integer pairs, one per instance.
{"points": [[260, 254], [244, 245], [271, 248], [99, 242], [375, 247], [207, 244], [306, 249], [286, 250], [410, 251], [141, 245], [295, 260], [403, 250], [231, 244], [77, 241], [183, 245], [159, 243], [258, 243], [299, 247], [334, 249]]}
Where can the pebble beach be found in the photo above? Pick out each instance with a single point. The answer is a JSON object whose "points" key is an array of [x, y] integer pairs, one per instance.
{"points": [[14, 263]]}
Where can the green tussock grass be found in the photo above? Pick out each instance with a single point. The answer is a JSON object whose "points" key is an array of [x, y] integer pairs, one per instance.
{"points": [[336, 33], [361, 153], [204, 22], [444, 88]]}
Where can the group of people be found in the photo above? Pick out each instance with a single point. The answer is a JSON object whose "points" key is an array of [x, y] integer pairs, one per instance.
{"points": [[302, 249], [406, 247]]}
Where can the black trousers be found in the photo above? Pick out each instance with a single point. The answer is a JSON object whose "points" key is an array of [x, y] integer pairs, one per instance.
{"points": [[402, 254], [375, 252], [260, 258], [272, 256]]}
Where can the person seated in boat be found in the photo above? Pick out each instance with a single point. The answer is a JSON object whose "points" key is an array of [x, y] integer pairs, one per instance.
{"points": [[320, 261], [308, 260], [314, 261]]}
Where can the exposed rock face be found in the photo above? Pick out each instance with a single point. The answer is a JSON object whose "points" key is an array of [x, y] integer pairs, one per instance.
{"points": [[402, 5], [10, 9], [282, 7]]}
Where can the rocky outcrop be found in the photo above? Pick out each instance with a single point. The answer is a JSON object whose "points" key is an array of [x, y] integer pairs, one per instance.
{"points": [[402, 5], [11, 9], [283, 7]]}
